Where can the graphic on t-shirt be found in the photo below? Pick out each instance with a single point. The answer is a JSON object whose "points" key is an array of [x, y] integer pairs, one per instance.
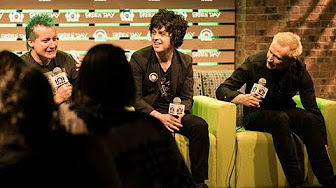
{"points": [[165, 87]]}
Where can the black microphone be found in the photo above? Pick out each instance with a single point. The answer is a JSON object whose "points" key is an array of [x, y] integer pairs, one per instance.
{"points": [[176, 108], [259, 88]]}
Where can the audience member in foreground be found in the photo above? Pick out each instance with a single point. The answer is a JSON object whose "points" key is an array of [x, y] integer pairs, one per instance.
{"points": [[32, 152], [285, 76], [145, 154]]}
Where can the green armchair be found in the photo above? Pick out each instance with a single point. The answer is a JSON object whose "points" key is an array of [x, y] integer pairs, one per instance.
{"points": [[245, 159], [248, 158], [221, 118]]}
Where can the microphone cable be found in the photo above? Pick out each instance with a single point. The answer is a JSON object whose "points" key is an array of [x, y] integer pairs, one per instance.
{"points": [[240, 128]]}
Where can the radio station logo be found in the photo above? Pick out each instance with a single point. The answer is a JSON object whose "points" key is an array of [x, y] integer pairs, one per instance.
{"points": [[51, 14], [206, 35], [127, 16], [72, 16], [100, 35], [16, 16], [183, 14]]}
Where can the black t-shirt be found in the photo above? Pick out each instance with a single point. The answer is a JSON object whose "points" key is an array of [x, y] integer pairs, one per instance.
{"points": [[161, 104], [63, 60]]}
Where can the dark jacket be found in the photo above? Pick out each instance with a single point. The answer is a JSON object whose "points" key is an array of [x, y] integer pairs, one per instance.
{"points": [[144, 62], [282, 85]]}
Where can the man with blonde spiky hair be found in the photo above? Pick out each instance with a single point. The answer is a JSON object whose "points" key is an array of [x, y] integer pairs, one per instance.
{"points": [[275, 111]]}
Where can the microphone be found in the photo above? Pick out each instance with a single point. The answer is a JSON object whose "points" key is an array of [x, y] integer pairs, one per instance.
{"points": [[60, 77], [176, 108], [57, 78], [259, 88]]}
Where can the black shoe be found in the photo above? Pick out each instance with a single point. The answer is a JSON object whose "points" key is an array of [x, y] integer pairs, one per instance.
{"points": [[201, 185], [331, 183], [299, 186]]}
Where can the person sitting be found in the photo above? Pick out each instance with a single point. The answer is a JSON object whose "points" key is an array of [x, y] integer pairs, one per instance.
{"points": [[161, 74], [42, 45], [144, 153], [273, 110]]}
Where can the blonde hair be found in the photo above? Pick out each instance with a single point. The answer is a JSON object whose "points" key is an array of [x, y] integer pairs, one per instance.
{"points": [[290, 40]]}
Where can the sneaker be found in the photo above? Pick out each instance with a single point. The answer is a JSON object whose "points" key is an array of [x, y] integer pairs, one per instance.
{"points": [[201, 185]]}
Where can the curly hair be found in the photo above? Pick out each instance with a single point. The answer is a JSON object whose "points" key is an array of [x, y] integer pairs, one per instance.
{"points": [[39, 19], [26, 101], [174, 24], [292, 41]]}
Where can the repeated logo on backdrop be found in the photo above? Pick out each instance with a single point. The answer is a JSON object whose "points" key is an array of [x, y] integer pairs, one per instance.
{"points": [[72, 16], [206, 34], [100, 35], [16, 16], [127, 16], [53, 15]]}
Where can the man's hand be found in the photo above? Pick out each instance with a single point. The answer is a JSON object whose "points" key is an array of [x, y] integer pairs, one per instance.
{"points": [[249, 100], [63, 93], [170, 122], [79, 63]]}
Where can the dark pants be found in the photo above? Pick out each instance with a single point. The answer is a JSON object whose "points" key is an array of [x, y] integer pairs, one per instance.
{"points": [[196, 130], [281, 124]]}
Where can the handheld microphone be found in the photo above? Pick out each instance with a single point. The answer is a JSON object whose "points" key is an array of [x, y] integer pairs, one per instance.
{"points": [[259, 88], [176, 108], [59, 78], [56, 78]]}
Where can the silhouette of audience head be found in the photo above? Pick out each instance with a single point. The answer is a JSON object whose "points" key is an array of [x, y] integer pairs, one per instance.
{"points": [[105, 78], [26, 102]]}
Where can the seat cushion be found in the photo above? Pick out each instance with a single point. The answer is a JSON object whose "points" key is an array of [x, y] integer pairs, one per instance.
{"points": [[257, 163]]}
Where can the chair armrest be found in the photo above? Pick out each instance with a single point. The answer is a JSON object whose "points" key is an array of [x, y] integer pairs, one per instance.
{"points": [[328, 110], [221, 118]]}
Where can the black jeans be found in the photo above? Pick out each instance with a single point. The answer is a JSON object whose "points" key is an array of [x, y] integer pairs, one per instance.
{"points": [[281, 124], [196, 130]]}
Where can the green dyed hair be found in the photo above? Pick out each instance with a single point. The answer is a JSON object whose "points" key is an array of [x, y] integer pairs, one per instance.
{"points": [[39, 19]]}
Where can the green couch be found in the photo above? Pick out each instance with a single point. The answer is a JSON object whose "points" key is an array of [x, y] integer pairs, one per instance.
{"points": [[245, 158]]}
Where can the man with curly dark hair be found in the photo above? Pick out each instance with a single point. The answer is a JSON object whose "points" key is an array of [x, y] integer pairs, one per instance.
{"points": [[162, 73]]}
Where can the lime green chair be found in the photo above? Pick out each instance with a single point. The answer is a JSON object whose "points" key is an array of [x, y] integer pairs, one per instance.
{"points": [[248, 158], [221, 118]]}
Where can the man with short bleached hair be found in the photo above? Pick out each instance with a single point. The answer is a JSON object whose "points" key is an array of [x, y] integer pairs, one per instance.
{"points": [[275, 112]]}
